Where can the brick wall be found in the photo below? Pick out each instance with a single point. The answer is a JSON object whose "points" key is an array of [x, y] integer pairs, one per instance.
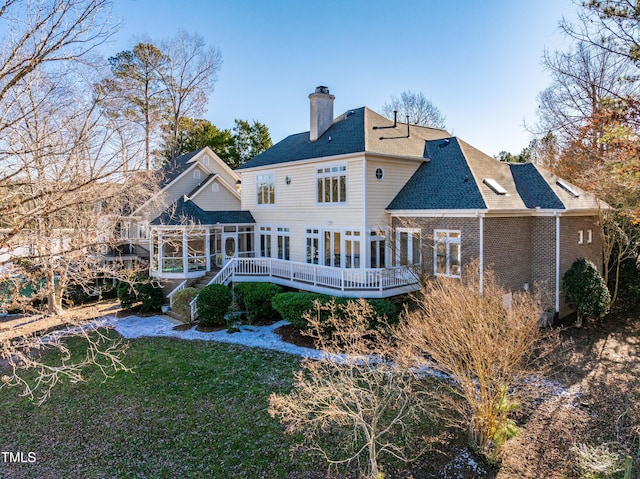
{"points": [[469, 236], [518, 250], [570, 250], [543, 258], [507, 250]]}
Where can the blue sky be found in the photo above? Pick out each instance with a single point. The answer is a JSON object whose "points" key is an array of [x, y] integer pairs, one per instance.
{"points": [[478, 61]]}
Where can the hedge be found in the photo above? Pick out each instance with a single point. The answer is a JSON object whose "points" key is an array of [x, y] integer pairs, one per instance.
{"points": [[181, 302], [255, 299], [148, 292], [213, 303], [292, 306]]}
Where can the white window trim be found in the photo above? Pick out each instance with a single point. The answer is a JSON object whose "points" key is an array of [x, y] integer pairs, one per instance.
{"points": [[448, 241], [382, 232], [196, 174], [332, 174], [589, 236], [271, 179], [264, 230], [284, 232], [410, 232], [309, 234], [580, 237]]}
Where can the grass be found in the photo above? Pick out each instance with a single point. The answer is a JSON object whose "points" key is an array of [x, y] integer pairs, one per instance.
{"points": [[189, 409]]}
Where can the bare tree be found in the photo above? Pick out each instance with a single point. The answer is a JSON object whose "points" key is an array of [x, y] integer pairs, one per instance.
{"points": [[417, 107], [189, 75], [581, 79], [355, 390], [487, 343], [63, 188], [67, 191], [45, 33]]}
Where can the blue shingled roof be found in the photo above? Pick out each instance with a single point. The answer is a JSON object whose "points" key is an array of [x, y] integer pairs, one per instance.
{"points": [[532, 187], [174, 168], [187, 212], [346, 135], [443, 182]]}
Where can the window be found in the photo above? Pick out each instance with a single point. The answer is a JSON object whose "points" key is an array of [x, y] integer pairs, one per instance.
{"points": [[266, 189], [446, 254], [331, 184], [352, 249], [379, 174], [589, 236], [313, 245], [215, 187], [408, 242], [580, 237], [284, 242], [205, 160], [265, 241], [332, 248], [377, 244], [196, 174]]}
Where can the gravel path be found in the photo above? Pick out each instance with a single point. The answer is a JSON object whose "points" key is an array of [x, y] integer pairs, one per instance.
{"points": [[133, 327]]}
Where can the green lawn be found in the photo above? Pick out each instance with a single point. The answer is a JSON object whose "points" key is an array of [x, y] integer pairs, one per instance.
{"points": [[189, 410]]}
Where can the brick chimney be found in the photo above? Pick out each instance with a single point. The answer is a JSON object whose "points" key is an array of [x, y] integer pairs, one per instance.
{"points": [[321, 112]]}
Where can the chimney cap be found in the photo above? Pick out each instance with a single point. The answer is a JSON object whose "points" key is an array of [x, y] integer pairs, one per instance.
{"points": [[322, 89]]}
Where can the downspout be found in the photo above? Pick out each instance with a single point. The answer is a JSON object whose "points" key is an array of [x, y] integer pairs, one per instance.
{"points": [[557, 261], [481, 217]]}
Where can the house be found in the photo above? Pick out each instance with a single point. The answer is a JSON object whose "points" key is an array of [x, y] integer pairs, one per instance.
{"points": [[361, 205]]}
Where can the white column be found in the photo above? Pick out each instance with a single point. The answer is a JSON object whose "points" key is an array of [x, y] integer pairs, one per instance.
{"points": [[185, 251], [207, 249], [159, 251]]}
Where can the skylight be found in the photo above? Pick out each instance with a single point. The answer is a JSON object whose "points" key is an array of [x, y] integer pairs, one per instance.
{"points": [[495, 186], [568, 188]]}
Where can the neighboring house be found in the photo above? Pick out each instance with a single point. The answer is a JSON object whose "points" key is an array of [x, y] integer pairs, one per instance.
{"points": [[361, 205]]}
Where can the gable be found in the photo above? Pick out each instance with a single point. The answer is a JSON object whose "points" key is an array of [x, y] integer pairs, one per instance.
{"points": [[216, 194]]}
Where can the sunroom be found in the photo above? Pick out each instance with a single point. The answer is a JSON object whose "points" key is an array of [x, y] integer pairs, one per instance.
{"points": [[187, 241]]}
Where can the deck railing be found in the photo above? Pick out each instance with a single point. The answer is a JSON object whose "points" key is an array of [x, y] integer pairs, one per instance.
{"points": [[324, 276], [319, 278]]}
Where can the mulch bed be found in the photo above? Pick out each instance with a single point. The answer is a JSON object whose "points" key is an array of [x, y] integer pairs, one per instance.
{"points": [[292, 335]]}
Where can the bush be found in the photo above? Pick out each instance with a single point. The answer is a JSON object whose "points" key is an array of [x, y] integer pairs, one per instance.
{"points": [[585, 291], [213, 303], [151, 295], [146, 291], [383, 308], [255, 299], [181, 302], [126, 293], [292, 306]]}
